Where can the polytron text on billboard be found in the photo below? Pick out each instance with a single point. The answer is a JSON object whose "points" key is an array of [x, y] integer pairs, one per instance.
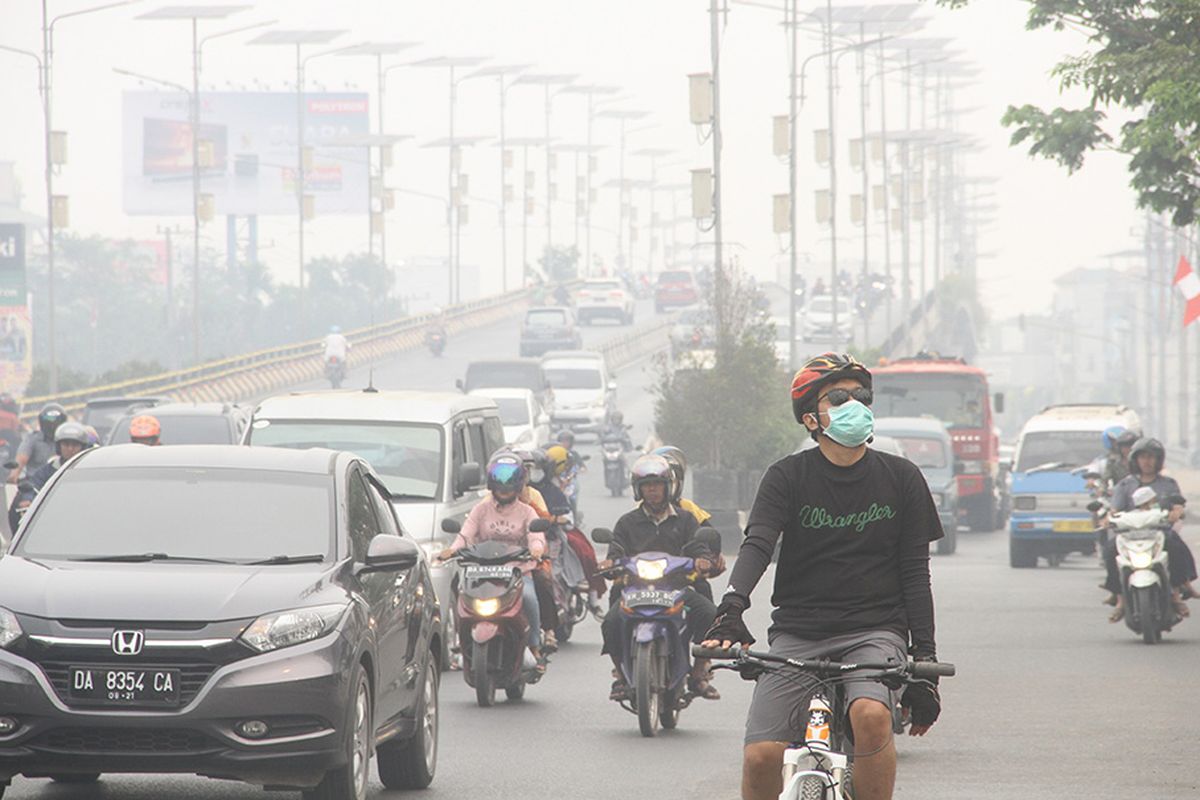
{"points": [[252, 140]]}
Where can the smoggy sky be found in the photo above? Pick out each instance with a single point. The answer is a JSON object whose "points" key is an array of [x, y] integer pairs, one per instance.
{"points": [[1044, 222]]}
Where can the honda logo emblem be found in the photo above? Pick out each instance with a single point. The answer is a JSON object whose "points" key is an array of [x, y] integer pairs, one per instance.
{"points": [[128, 643]]}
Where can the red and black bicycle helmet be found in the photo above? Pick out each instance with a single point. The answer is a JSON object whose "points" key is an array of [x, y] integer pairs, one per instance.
{"points": [[820, 371]]}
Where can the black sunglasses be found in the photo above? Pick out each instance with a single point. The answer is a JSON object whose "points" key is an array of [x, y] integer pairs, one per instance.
{"points": [[838, 396]]}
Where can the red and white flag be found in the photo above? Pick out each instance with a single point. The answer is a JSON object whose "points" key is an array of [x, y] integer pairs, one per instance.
{"points": [[1189, 283]]}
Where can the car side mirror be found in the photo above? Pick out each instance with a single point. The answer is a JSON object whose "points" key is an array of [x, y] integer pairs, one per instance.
{"points": [[388, 553], [539, 526], [469, 476], [998, 402], [451, 526], [602, 536]]}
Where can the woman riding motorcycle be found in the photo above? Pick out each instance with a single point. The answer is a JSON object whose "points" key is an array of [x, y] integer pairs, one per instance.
{"points": [[503, 517]]}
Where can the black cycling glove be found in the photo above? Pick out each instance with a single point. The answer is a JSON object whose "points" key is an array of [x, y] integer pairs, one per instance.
{"points": [[728, 626], [923, 700]]}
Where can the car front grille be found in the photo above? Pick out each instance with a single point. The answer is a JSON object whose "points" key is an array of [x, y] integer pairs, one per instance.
{"points": [[117, 741], [192, 676]]}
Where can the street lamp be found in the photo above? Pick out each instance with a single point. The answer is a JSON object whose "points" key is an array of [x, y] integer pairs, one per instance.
{"points": [[453, 63], [502, 71], [546, 81], [378, 50], [298, 39], [654, 154], [589, 91], [45, 63], [581, 201], [623, 116], [525, 142], [455, 210]]}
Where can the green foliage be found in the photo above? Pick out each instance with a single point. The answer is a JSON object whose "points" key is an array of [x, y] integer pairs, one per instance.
{"points": [[1141, 57], [736, 415], [560, 264]]}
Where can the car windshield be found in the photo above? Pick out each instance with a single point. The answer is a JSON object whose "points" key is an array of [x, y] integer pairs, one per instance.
{"points": [[183, 429], [957, 400], [545, 319], [573, 378], [927, 452], [527, 376], [407, 456], [182, 512], [824, 305], [513, 410], [675, 276], [1073, 448]]}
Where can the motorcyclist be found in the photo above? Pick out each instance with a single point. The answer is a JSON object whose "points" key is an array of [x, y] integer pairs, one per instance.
{"points": [[852, 581], [567, 466], [70, 440], [532, 496], [1146, 459], [614, 428], [1116, 463], [501, 516], [10, 423], [541, 478], [437, 325], [145, 429], [37, 447], [678, 462], [656, 525], [336, 345]]}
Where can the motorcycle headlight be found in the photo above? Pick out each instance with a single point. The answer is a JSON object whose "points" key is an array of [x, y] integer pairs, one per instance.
{"points": [[286, 628], [486, 606], [10, 629], [651, 569], [1141, 560]]}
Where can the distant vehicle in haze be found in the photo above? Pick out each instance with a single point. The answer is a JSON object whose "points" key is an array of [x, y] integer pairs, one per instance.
{"points": [[190, 423], [525, 423], [583, 391], [693, 329], [102, 413], [818, 319], [1050, 497], [604, 297], [675, 288], [956, 393], [926, 442], [549, 328], [524, 373]]}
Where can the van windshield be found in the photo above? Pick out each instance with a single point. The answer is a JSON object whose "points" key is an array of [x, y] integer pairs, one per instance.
{"points": [[1073, 448], [574, 378], [407, 456]]}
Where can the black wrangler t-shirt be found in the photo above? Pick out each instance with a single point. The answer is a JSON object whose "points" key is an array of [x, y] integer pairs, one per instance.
{"points": [[855, 549]]}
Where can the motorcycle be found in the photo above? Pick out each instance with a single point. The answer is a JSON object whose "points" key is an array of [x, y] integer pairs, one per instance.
{"points": [[569, 579], [1143, 567], [335, 371], [616, 469], [436, 342], [492, 627], [657, 658]]}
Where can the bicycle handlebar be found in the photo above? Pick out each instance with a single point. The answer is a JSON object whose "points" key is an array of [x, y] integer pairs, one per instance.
{"points": [[923, 670]]}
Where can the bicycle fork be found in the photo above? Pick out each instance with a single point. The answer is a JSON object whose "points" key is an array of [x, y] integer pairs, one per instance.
{"points": [[813, 770]]}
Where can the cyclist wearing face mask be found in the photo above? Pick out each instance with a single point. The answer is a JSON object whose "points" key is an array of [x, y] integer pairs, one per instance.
{"points": [[852, 582]]}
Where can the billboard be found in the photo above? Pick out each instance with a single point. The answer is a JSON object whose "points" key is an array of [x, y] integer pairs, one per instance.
{"points": [[251, 139], [16, 328]]}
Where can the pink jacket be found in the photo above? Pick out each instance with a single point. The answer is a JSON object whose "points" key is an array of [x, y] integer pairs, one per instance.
{"points": [[489, 520]]}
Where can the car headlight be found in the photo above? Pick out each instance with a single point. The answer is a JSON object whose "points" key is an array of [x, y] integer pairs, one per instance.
{"points": [[10, 629], [286, 628], [1140, 560], [651, 569], [487, 606]]}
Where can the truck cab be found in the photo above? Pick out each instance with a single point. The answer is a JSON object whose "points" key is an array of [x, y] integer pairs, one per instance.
{"points": [[1050, 495]]}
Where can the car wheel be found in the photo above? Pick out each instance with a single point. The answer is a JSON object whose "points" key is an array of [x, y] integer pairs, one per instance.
{"points": [[349, 781], [411, 764]]}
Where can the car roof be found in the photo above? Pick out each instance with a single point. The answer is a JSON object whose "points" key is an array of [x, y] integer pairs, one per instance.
{"points": [[187, 410], [574, 363], [109, 402], [395, 405], [901, 425], [315, 461], [487, 392]]}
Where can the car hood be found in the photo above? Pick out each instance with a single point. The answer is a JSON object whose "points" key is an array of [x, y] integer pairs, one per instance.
{"points": [[169, 591], [578, 398]]}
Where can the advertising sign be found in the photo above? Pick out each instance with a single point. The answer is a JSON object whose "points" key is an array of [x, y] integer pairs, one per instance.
{"points": [[248, 154], [16, 329]]}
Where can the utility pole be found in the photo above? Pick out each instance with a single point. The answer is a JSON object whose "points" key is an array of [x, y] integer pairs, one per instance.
{"points": [[793, 256], [887, 179], [718, 256], [831, 75]]}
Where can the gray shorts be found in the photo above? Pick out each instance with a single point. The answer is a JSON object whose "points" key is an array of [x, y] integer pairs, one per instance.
{"points": [[776, 699]]}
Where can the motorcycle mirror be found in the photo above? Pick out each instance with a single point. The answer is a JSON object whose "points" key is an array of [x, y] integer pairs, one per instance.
{"points": [[602, 535], [539, 526], [451, 526]]}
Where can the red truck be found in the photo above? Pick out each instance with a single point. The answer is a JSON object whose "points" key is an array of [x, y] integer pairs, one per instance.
{"points": [[957, 394]]}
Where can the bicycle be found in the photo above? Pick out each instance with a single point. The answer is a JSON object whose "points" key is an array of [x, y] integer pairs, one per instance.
{"points": [[821, 766]]}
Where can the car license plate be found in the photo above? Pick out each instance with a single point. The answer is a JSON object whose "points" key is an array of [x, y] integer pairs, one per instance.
{"points": [[123, 686], [649, 597], [489, 572], [1073, 526]]}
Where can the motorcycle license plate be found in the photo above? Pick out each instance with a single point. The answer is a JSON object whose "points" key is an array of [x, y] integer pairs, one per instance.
{"points": [[649, 597], [1073, 526], [489, 572], [120, 686]]}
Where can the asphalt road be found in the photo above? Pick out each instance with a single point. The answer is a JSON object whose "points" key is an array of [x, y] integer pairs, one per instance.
{"points": [[1050, 699]]}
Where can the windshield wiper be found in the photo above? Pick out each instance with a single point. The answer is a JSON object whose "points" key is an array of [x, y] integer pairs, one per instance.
{"points": [[314, 558], [136, 558]]}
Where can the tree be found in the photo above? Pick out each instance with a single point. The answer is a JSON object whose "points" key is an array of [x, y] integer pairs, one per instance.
{"points": [[1141, 58], [560, 264]]}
